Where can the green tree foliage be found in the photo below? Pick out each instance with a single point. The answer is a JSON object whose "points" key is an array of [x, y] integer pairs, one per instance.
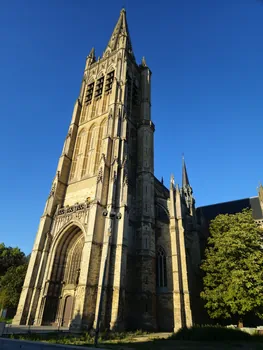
{"points": [[11, 285], [10, 257], [233, 282]]}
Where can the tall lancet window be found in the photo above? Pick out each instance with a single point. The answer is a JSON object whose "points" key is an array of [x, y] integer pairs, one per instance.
{"points": [[81, 138], [102, 135], [88, 162], [161, 271]]}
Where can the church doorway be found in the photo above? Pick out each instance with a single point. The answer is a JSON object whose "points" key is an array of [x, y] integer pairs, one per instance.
{"points": [[64, 278], [67, 312]]}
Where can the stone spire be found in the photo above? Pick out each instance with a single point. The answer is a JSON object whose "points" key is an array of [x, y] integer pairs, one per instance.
{"points": [[185, 180], [120, 30]]}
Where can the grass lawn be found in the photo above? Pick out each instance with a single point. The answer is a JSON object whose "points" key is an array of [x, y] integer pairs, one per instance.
{"points": [[6, 320], [199, 338]]}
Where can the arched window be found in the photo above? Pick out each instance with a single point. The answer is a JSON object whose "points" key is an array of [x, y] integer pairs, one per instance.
{"points": [[81, 138], [161, 271], [73, 262], [102, 135], [87, 168]]}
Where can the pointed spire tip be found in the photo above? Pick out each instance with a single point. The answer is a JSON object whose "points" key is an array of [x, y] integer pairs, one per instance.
{"points": [[185, 180]]}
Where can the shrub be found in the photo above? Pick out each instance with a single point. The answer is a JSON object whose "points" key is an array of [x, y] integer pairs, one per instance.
{"points": [[210, 333]]}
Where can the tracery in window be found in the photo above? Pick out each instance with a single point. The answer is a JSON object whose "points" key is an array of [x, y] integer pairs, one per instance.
{"points": [[161, 271], [81, 138], [73, 262]]}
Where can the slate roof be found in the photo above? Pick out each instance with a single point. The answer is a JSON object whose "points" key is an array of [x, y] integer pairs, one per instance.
{"points": [[209, 212]]}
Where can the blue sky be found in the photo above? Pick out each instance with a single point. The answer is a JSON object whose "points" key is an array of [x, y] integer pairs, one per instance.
{"points": [[207, 86]]}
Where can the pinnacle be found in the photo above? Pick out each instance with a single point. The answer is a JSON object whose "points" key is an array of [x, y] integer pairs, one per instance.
{"points": [[92, 53], [185, 180], [144, 64]]}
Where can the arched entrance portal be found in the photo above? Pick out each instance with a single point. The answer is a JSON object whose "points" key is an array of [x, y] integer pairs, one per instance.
{"points": [[64, 278]]}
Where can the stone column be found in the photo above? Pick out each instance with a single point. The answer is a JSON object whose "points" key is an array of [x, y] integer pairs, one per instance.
{"points": [[181, 299]]}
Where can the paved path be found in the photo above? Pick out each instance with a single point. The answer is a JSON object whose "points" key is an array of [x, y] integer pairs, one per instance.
{"points": [[12, 344], [10, 329]]}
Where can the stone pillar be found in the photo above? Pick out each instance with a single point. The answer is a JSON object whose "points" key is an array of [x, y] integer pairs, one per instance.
{"points": [[181, 299], [25, 300], [145, 242]]}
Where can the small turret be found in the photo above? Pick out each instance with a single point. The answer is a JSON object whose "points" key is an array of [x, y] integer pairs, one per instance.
{"points": [[90, 58]]}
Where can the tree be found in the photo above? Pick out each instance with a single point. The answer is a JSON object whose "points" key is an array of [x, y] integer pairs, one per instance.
{"points": [[10, 257], [11, 285], [233, 281]]}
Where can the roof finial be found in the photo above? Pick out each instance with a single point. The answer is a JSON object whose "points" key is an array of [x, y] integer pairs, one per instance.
{"points": [[144, 64]]}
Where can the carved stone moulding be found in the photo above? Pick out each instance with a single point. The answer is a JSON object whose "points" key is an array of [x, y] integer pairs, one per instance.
{"points": [[74, 208]]}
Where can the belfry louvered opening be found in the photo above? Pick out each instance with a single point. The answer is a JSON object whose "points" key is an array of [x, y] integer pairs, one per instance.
{"points": [[109, 81], [90, 90], [99, 87]]}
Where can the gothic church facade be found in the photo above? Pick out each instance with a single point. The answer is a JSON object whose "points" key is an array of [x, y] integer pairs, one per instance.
{"points": [[114, 246]]}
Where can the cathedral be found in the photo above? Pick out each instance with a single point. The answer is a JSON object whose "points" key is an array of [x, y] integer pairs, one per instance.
{"points": [[115, 248]]}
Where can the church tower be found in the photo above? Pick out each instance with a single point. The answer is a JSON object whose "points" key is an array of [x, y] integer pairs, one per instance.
{"points": [[96, 234]]}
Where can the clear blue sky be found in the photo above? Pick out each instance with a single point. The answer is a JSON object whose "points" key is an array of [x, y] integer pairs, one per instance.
{"points": [[207, 94]]}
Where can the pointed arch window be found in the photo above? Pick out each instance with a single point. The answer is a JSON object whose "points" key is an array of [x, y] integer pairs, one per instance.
{"points": [[102, 135], [89, 152], [77, 153], [73, 262], [161, 269]]}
